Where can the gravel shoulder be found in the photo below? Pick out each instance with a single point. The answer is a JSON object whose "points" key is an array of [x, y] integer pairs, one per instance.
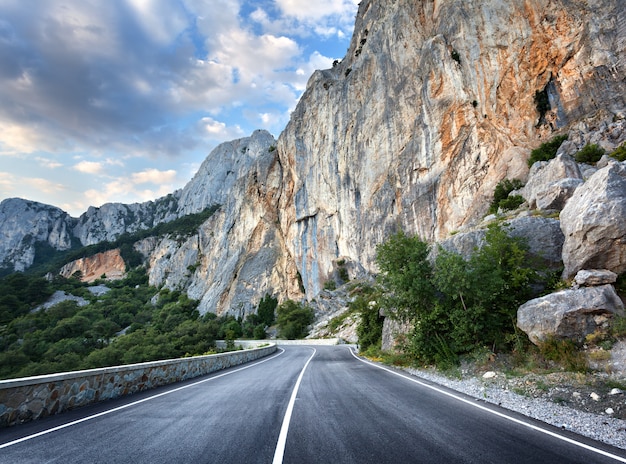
{"points": [[581, 403]]}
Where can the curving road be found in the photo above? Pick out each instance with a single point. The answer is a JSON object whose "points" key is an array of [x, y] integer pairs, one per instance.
{"points": [[302, 405]]}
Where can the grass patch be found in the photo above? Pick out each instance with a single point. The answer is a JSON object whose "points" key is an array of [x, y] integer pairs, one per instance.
{"points": [[565, 354]]}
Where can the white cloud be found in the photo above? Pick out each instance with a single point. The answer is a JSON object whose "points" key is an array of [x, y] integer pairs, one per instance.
{"points": [[154, 176], [89, 167], [163, 21], [44, 185], [124, 190], [48, 163], [110, 82], [308, 10], [218, 130]]}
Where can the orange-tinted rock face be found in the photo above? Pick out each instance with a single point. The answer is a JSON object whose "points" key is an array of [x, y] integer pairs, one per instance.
{"points": [[432, 106], [109, 264]]}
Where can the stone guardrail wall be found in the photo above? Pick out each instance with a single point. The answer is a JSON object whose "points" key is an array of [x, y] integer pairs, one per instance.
{"points": [[31, 398]]}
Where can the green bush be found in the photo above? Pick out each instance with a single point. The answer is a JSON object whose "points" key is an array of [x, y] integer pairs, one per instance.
{"points": [[546, 151], [457, 305], [370, 326], [501, 195], [512, 202], [293, 319], [70, 337], [590, 153], [406, 271], [620, 152]]}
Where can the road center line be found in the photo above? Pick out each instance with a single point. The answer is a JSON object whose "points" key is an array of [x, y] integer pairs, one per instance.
{"points": [[119, 408], [492, 411], [284, 429]]}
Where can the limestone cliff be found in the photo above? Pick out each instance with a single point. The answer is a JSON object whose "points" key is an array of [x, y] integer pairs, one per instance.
{"points": [[435, 102], [25, 223], [239, 254]]}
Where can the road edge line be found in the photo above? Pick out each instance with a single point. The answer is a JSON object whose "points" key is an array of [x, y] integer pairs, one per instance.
{"points": [[284, 429], [492, 411]]}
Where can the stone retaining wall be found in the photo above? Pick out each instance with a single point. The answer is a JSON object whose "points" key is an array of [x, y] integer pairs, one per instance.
{"points": [[30, 398]]}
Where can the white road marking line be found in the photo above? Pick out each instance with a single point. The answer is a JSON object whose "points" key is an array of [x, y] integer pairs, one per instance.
{"points": [[282, 437], [119, 408], [492, 411]]}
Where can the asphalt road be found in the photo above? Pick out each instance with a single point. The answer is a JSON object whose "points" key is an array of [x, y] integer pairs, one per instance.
{"points": [[303, 405]]}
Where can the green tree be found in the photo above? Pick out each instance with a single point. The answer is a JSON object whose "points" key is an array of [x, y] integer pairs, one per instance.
{"points": [[293, 319], [406, 274], [590, 153], [266, 309], [546, 151]]}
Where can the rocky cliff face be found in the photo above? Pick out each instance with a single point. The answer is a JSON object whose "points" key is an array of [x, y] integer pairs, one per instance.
{"points": [[239, 254], [435, 103], [23, 223]]}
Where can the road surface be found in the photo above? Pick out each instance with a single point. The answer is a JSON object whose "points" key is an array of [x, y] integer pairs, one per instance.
{"points": [[304, 404]]}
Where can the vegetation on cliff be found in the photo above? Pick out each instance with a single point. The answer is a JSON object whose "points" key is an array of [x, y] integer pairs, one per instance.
{"points": [[455, 306]]}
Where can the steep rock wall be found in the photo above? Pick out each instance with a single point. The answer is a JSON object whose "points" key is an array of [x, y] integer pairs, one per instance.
{"points": [[239, 254], [432, 106], [24, 223]]}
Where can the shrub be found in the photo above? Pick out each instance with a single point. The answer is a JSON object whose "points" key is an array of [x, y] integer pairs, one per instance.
{"points": [[511, 202], [457, 305], [501, 195], [370, 326], [620, 152], [407, 273], [546, 151], [266, 309], [590, 153], [564, 353]]}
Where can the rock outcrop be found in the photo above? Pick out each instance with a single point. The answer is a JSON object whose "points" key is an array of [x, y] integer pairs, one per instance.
{"points": [[24, 225], [425, 114], [551, 183], [594, 223], [108, 264], [569, 314], [592, 277]]}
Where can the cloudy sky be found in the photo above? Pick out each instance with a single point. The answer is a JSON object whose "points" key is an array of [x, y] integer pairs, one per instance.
{"points": [[121, 100]]}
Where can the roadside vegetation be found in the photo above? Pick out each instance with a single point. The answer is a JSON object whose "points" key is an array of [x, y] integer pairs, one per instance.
{"points": [[132, 322], [461, 310]]}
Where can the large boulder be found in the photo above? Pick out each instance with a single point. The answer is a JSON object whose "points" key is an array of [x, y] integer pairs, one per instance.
{"points": [[569, 314], [592, 277], [594, 223], [551, 183], [464, 244], [543, 236]]}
